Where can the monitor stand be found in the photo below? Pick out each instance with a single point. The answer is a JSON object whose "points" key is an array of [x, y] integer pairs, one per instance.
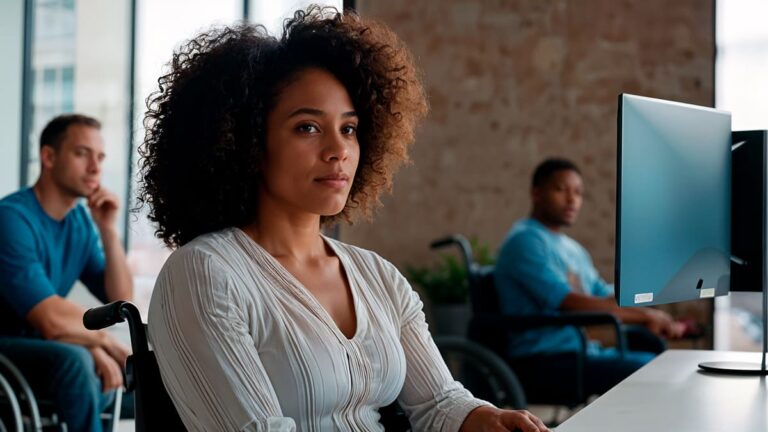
{"points": [[749, 216], [744, 368]]}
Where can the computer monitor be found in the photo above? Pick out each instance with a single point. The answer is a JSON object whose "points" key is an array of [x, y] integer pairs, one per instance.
{"points": [[673, 222], [748, 209], [691, 206]]}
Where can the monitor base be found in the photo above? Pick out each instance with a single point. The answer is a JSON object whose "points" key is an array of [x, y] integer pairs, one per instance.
{"points": [[744, 368], [734, 368]]}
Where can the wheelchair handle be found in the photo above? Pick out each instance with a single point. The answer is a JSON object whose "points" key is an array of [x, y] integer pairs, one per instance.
{"points": [[464, 246], [443, 242], [105, 316]]}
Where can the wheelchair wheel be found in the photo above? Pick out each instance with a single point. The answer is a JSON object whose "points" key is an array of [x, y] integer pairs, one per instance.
{"points": [[482, 372], [9, 407]]}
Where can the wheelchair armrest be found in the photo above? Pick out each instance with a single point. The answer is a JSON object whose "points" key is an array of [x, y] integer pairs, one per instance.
{"points": [[512, 323], [578, 319]]}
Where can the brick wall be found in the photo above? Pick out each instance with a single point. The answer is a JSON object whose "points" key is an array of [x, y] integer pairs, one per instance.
{"points": [[512, 82]]}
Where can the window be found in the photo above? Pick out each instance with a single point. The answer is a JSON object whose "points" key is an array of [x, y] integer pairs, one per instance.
{"points": [[741, 88], [80, 62], [161, 29], [272, 13]]}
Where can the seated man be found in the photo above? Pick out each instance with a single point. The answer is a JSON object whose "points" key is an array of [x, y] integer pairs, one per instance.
{"points": [[48, 240], [540, 270]]}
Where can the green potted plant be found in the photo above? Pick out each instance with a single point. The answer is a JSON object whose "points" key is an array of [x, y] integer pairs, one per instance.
{"points": [[446, 286]]}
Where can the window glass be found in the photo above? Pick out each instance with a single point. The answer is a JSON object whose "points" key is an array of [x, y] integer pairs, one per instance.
{"points": [[272, 13], [160, 30], [741, 87], [80, 60]]}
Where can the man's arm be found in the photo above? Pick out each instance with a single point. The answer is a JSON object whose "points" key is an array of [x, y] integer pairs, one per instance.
{"points": [[27, 290], [582, 302], [659, 322], [118, 283], [61, 320]]}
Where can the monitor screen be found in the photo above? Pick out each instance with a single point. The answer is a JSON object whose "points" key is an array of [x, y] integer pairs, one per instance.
{"points": [[673, 206]]}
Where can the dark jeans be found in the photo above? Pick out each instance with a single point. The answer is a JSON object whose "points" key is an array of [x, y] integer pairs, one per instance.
{"points": [[639, 338], [64, 374], [551, 379]]}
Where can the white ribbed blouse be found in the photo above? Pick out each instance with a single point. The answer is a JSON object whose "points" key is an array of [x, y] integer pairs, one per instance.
{"points": [[242, 345]]}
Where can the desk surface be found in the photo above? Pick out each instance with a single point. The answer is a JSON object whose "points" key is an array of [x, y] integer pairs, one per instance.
{"points": [[670, 394]]}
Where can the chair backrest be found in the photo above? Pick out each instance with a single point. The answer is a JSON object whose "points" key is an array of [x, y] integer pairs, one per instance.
{"points": [[482, 291], [154, 409], [485, 304]]}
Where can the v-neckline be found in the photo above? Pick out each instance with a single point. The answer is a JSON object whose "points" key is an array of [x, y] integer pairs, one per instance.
{"points": [[302, 291]]}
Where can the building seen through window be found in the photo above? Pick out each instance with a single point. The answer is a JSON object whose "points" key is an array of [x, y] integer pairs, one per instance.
{"points": [[160, 30], [741, 88]]}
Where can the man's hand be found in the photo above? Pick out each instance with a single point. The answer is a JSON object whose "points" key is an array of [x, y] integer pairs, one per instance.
{"points": [[103, 205], [116, 350], [118, 282], [662, 324], [490, 419], [107, 369], [575, 282]]}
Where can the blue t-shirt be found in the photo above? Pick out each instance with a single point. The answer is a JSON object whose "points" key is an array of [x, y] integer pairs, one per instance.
{"points": [[41, 257], [532, 278]]}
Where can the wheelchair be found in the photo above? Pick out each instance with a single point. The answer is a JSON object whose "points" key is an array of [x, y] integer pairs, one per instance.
{"points": [[154, 410], [489, 328], [21, 411], [16, 393]]}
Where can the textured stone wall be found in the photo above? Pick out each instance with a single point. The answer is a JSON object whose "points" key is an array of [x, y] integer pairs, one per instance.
{"points": [[511, 82]]}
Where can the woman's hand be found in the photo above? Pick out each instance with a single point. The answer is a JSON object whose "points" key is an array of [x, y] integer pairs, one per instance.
{"points": [[490, 419]]}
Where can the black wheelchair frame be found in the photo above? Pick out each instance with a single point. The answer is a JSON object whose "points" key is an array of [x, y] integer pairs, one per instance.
{"points": [[489, 327], [23, 411], [154, 410]]}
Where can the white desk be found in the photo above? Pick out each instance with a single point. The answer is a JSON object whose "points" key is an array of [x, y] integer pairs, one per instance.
{"points": [[670, 394]]}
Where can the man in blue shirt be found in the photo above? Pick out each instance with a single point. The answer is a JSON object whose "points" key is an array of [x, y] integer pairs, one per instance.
{"points": [[49, 240], [540, 271]]}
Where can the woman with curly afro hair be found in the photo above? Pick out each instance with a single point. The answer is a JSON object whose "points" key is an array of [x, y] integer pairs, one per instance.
{"points": [[258, 321]]}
